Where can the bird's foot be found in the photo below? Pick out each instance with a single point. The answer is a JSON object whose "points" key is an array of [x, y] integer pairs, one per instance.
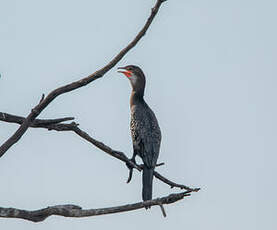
{"points": [[130, 170]]}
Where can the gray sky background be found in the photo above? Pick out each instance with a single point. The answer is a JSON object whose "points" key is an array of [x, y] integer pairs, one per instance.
{"points": [[211, 80]]}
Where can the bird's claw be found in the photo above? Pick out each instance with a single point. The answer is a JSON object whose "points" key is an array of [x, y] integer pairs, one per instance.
{"points": [[130, 167]]}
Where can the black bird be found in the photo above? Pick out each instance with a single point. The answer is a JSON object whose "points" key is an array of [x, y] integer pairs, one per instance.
{"points": [[145, 130]]}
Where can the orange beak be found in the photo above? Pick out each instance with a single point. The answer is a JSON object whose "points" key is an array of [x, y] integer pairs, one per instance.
{"points": [[127, 73]]}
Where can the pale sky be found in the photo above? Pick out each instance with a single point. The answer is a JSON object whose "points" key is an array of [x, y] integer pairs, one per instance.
{"points": [[211, 81]]}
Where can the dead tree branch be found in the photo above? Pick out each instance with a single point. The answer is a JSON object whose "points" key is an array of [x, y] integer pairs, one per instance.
{"points": [[76, 211], [52, 124], [37, 123], [45, 101]]}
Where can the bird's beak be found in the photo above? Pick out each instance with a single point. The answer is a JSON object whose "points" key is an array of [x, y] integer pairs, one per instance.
{"points": [[127, 73], [119, 70]]}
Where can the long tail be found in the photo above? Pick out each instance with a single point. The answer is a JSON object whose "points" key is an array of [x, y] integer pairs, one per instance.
{"points": [[147, 179]]}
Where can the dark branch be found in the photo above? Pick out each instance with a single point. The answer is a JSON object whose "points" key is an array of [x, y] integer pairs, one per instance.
{"points": [[37, 123], [76, 211], [119, 155], [173, 184], [44, 102], [74, 127]]}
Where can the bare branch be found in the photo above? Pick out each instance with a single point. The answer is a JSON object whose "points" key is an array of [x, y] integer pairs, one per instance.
{"points": [[119, 155], [37, 123], [77, 84], [173, 184], [76, 211], [54, 125]]}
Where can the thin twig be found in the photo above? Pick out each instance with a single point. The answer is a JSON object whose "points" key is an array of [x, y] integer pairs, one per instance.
{"points": [[37, 123], [42, 98], [173, 184], [76, 211], [162, 209]]}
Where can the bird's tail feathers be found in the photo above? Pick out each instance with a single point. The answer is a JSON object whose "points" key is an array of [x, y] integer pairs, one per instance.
{"points": [[147, 179]]}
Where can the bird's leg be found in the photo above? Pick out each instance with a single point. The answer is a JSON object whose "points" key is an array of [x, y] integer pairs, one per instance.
{"points": [[133, 159]]}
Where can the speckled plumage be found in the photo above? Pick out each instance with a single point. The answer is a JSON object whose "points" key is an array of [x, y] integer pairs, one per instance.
{"points": [[145, 130], [146, 134]]}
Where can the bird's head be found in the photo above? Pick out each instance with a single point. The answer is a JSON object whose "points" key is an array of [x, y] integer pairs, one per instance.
{"points": [[135, 75]]}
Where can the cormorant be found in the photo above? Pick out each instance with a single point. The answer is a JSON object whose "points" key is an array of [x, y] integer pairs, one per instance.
{"points": [[145, 130]]}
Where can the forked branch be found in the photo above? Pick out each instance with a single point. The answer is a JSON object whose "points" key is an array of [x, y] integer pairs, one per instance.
{"points": [[45, 101]]}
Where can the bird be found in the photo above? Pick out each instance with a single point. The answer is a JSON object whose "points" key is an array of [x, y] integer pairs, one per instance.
{"points": [[145, 130]]}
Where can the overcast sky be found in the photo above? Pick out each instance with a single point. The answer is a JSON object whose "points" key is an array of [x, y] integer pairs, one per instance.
{"points": [[211, 80]]}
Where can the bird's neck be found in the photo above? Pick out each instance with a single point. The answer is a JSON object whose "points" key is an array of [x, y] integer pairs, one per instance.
{"points": [[136, 97]]}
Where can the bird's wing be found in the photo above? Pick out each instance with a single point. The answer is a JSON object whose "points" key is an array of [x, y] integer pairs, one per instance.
{"points": [[146, 135]]}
